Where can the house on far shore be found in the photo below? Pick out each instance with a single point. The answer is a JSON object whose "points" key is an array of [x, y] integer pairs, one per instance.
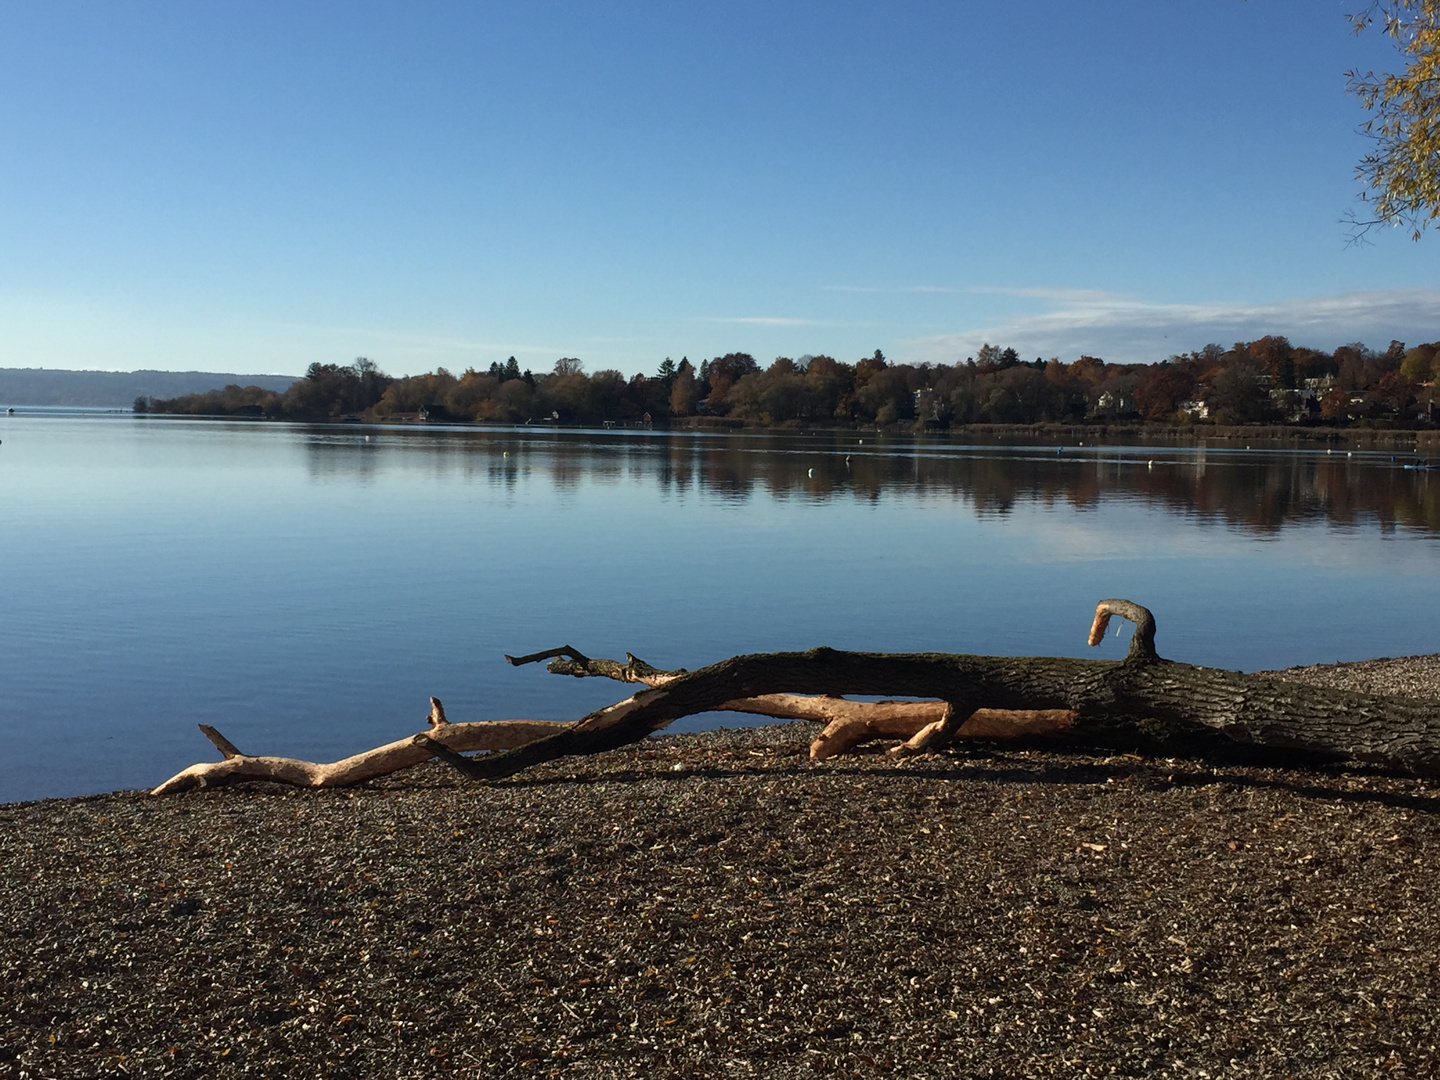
{"points": [[1296, 405]]}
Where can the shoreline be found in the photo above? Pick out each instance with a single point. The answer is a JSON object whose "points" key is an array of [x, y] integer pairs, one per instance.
{"points": [[703, 904], [1044, 434]]}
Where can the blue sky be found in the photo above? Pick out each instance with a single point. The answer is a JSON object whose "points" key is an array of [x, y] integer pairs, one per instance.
{"points": [[253, 187]]}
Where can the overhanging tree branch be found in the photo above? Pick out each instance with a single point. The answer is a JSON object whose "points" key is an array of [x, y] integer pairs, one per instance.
{"points": [[1401, 175]]}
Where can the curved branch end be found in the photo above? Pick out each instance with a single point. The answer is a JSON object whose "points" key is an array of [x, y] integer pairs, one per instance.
{"points": [[1142, 641]]}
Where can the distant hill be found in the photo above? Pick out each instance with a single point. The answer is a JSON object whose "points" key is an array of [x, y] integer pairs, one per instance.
{"points": [[114, 389]]}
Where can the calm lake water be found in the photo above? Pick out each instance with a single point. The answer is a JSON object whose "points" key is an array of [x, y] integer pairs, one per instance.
{"points": [[305, 589]]}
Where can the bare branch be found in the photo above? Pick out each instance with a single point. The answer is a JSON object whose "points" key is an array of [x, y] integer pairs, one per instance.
{"points": [[568, 660], [380, 761], [224, 745], [548, 654]]}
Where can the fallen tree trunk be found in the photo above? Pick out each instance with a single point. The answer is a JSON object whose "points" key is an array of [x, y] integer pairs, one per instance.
{"points": [[1401, 733], [980, 696]]}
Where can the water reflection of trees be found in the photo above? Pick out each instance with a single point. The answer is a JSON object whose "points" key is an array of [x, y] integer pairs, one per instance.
{"points": [[1260, 492], [332, 455]]}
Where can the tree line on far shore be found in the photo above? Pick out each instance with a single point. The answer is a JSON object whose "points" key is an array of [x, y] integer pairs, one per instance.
{"points": [[1268, 380]]}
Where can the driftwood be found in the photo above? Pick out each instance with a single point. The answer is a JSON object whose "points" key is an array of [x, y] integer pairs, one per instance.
{"points": [[847, 725], [392, 757], [970, 696]]}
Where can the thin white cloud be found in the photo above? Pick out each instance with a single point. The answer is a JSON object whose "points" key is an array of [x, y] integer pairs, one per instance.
{"points": [[1034, 293], [1137, 331], [1060, 296], [762, 320], [891, 290]]}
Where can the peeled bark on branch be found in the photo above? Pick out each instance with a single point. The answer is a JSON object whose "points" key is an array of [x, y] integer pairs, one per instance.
{"points": [[392, 757]]}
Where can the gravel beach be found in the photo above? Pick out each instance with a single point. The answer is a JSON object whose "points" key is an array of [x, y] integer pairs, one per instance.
{"points": [[712, 905]]}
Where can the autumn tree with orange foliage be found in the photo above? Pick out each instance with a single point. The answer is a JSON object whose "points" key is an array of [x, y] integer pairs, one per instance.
{"points": [[1401, 174]]}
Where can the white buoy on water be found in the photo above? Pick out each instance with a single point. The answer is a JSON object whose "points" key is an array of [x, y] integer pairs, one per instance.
{"points": [[809, 472]]}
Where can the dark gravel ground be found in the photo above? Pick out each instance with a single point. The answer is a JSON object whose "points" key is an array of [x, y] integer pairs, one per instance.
{"points": [[711, 905]]}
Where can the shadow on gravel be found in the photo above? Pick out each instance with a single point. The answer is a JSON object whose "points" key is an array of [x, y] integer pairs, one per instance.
{"points": [[1423, 804], [1154, 775]]}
